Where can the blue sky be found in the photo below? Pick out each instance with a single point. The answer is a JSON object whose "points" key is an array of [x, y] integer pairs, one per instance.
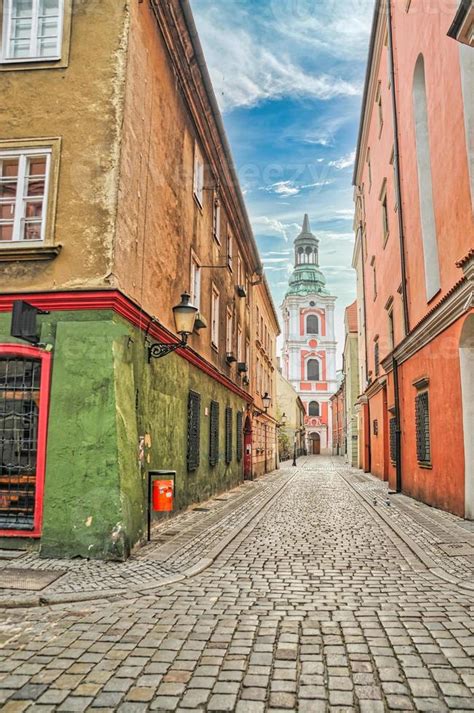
{"points": [[288, 75]]}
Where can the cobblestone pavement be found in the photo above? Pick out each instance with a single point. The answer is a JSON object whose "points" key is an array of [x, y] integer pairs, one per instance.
{"points": [[318, 607], [177, 544], [440, 535]]}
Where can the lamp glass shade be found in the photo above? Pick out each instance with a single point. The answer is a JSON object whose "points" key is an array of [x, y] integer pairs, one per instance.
{"points": [[185, 315], [266, 400], [283, 418]]}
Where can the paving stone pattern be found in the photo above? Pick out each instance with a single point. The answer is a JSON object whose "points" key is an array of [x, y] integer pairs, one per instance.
{"points": [[315, 610], [428, 527], [177, 544]]}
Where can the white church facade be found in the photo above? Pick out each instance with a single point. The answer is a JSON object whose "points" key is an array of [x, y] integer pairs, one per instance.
{"points": [[309, 348]]}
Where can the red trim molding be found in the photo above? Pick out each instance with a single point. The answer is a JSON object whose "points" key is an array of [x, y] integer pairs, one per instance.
{"points": [[126, 308], [43, 407]]}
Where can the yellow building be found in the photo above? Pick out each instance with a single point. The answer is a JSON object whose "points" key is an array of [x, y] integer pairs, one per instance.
{"points": [[291, 414]]}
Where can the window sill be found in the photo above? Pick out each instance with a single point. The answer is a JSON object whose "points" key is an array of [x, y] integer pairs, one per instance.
{"points": [[425, 466], [7, 65], [14, 253], [197, 201]]}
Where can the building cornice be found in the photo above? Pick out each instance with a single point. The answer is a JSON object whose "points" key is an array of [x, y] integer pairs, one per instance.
{"points": [[457, 302], [122, 305]]}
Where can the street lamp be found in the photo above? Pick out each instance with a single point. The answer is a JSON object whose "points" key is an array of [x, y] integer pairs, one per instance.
{"points": [[294, 450], [283, 419], [184, 318], [266, 400]]}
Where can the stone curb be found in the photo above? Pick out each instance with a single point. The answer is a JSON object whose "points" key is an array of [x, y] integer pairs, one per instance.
{"points": [[77, 597], [429, 563]]}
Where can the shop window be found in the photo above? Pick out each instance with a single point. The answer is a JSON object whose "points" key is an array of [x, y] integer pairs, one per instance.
{"points": [[24, 393], [214, 434], [194, 424], [228, 435], [32, 30]]}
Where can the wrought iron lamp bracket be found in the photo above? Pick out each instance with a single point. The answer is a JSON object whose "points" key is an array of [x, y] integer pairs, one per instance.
{"points": [[159, 349]]}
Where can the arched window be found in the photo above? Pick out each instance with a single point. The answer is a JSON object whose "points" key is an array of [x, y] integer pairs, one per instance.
{"points": [[312, 324], [425, 187], [313, 409], [313, 370]]}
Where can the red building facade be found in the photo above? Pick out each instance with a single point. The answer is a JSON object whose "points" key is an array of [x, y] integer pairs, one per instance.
{"points": [[414, 237]]}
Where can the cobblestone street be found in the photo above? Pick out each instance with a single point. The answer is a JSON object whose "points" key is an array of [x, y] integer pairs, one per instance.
{"points": [[316, 605]]}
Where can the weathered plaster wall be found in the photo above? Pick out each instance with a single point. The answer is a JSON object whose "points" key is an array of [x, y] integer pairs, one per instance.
{"points": [[82, 104]]}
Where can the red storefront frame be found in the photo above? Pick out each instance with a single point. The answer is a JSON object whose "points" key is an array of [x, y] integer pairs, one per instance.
{"points": [[45, 382]]}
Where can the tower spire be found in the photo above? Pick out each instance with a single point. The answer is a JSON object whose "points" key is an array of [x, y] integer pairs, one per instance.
{"points": [[306, 225]]}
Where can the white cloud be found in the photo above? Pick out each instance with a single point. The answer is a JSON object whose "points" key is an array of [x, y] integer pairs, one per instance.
{"points": [[344, 162], [248, 67], [273, 225]]}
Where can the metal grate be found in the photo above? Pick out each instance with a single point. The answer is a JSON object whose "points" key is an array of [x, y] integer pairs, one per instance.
{"points": [[422, 417], [228, 435], [393, 440], [214, 434], [240, 448], [19, 409], [194, 421]]}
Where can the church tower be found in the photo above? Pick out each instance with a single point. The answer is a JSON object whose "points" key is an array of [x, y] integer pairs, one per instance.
{"points": [[309, 349]]}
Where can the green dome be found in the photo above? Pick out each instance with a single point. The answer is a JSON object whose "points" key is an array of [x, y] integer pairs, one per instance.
{"points": [[305, 280]]}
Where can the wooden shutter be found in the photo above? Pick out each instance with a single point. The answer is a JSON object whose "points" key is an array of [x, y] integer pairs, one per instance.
{"points": [[240, 448], [214, 434], [194, 423], [228, 435]]}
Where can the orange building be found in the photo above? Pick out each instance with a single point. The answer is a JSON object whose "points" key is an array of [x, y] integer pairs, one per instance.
{"points": [[414, 257]]}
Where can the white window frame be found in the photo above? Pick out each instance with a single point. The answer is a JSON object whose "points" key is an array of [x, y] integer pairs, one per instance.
{"points": [[230, 250], [33, 56], [195, 282], [20, 202], [198, 178], [229, 329], [216, 220], [239, 344], [215, 317]]}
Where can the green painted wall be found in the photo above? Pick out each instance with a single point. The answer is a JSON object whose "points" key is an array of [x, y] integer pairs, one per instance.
{"points": [[104, 398]]}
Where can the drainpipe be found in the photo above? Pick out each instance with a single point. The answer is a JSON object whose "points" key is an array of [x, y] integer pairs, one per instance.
{"points": [[398, 431], [396, 165]]}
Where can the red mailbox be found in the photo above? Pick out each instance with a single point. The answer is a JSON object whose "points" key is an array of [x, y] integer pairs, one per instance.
{"points": [[163, 495]]}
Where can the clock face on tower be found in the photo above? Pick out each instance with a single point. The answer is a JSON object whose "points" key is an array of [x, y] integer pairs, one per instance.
{"points": [[310, 346]]}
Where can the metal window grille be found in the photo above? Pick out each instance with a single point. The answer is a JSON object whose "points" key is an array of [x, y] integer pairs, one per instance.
{"points": [[194, 422], [19, 410], [228, 435], [393, 440], [422, 417], [377, 358], [240, 445], [214, 434]]}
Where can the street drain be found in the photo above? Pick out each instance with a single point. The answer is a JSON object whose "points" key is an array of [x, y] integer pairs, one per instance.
{"points": [[201, 509], [457, 549], [30, 579]]}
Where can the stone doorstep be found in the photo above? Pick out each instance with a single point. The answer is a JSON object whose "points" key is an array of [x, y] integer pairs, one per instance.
{"points": [[51, 599], [430, 564]]}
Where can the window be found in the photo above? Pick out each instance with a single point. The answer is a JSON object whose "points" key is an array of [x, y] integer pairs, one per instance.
{"points": [[258, 323], [23, 195], [214, 434], [32, 30], [313, 370], [247, 351], [229, 336], [374, 276], [422, 417], [376, 359], [198, 185], [378, 100], [216, 220], [215, 317], [240, 429], [375, 427], [391, 331], [383, 201], [240, 356], [312, 324], [230, 249], [369, 169], [393, 439], [425, 188], [195, 282], [257, 375], [240, 280], [228, 435], [313, 408], [194, 422]]}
